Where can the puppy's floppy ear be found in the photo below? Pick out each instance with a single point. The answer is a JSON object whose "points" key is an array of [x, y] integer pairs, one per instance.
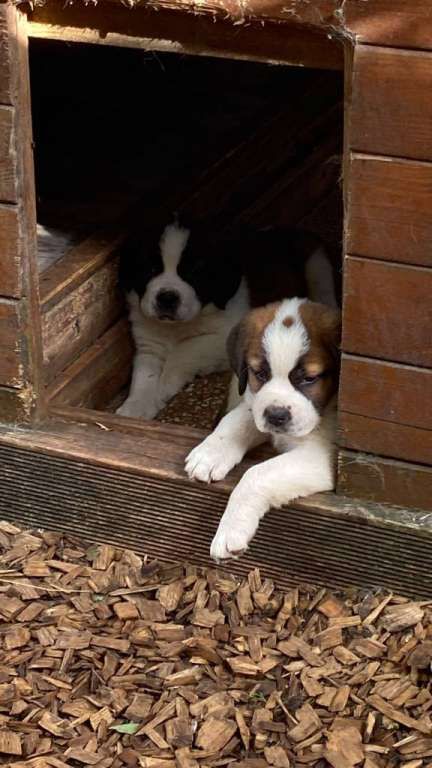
{"points": [[333, 331], [236, 344]]}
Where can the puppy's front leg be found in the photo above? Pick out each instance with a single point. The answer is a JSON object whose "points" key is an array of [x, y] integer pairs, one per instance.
{"points": [[274, 483], [143, 397], [234, 436]]}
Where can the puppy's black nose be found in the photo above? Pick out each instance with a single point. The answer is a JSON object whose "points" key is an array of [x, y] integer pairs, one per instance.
{"points": [[277, 417], [167, 301]]}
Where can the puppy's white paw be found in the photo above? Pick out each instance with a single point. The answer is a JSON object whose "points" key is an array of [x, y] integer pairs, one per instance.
{"points": [[212, 460], [233, 537], [138, 409]]}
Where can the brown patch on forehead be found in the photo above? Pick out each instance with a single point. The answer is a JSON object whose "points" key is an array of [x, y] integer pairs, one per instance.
{"points": [[288, 321]]}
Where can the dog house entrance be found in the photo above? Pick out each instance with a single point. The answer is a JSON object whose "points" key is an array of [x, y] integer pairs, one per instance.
{"points": [[123, 136]]}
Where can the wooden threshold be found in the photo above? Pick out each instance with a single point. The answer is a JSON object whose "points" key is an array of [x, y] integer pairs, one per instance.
{"points": [[121, 481]]}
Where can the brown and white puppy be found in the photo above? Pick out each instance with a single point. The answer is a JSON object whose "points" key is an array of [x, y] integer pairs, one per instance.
{"points": [[287, 362]]}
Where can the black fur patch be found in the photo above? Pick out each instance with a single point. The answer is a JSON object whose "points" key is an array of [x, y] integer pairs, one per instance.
{"points": [[207, 264]]}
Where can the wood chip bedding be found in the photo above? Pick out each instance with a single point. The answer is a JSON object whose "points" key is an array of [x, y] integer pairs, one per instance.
{"points": [[111, 660]]}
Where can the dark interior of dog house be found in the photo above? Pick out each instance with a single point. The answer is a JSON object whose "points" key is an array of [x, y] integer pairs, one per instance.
{"points": [[124, 136]]}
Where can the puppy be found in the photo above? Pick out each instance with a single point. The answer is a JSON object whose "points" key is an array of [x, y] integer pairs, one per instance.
{"points": [[287, 362], [187, 288]]}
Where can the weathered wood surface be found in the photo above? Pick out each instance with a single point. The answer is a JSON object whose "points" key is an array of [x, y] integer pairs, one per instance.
{"points": [[6, 53], [375, 479], [398, 23], [390, 210], [20, 332], [385, 438], [98, 374], [387, 311], [131, 490], [10, 250], [78, 319], [8, 179], [382, 390], [391, 109], [11, 357], [162, 29]]}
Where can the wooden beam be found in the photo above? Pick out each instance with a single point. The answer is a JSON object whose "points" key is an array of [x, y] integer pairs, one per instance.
{"points": [[395, 23], [203, 34], [130, 490]]}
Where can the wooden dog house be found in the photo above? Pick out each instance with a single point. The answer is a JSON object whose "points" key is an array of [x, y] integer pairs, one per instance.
{"points": [[65, 347]]}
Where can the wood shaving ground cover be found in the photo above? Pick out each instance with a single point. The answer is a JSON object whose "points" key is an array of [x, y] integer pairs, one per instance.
{"points": [[108, 659]]}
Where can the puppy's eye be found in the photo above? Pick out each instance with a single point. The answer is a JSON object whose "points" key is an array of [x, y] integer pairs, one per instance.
{"points": [[311, 379], [261, 374]]}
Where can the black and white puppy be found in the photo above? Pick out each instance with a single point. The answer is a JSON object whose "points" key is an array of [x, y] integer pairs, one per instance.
{"points": [[187, 288]]}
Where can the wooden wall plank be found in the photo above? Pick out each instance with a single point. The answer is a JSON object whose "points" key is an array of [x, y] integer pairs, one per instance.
{"points": [[387, 391], [391, 105], [5, 54], [22, 352], [389, 213], [80, 318], [387, 311], [372, 478], [10, 248], [94, 379], [384, 438], [396, 23], [11, 369], [8, 180]]}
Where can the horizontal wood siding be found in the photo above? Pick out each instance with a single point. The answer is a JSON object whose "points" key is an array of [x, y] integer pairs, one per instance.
{"points": [[390, 211], [398, 23], [386, 378], [373, 478], [387, 391], [385, 438], [97, 376], [388, 311], [6, 43], [391, 105], [80, 318]]}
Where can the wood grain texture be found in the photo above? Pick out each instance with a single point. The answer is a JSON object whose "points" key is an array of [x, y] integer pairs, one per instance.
{"points": [[396, 23], [389, 213], [116, 488], [11, 368], [99, 373], [391, 109], [81, 262], [384, 438], [79, 318], [364, 476], [387, 311], [8, 180], [16, 405], [198, 34], [10, 249], [397, 393], [6, 53]]}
